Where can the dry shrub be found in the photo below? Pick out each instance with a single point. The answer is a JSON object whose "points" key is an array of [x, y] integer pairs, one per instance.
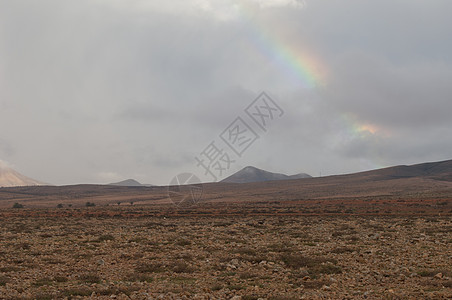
{"points": [[183, 242], [139, 278], [315, 284], [431, 273], [247, 275], [4, 280], [281, 297], [105, 237], [90, 278], [150, 268], [78, 291], [297, 261], [181, 267]]}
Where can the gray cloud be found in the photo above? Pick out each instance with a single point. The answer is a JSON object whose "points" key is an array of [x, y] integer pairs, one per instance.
{"points": [[92, 91], [6, 149]]}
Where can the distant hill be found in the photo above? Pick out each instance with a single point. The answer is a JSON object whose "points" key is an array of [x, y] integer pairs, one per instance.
{"points": [[414, 189], [253, 174], [441, 170], [12, 178], [128, 182]]}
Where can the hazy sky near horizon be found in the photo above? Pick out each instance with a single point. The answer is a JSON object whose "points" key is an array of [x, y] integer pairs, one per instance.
{"points": [[97, 91]]}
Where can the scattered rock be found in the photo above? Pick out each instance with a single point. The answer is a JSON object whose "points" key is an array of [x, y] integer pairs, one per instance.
{"points": [[439, 275]]}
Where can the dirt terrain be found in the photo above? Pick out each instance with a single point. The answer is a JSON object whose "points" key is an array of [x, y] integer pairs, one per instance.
{"points": [[235, 257], [378, 235]]}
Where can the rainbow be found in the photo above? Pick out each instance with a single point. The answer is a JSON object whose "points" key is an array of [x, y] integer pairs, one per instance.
{"points": [[306, 71], [355, 129], [298, 64]]}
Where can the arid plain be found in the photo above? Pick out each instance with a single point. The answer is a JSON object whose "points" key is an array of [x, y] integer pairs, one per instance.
{"points": [[378, 235]]}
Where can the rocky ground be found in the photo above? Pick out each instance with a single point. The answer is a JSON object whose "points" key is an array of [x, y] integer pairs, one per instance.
{"points": [[260, 257]]}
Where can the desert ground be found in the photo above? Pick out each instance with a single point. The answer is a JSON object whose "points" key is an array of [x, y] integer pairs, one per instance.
{"points": [[365, 237], [131, 256]]}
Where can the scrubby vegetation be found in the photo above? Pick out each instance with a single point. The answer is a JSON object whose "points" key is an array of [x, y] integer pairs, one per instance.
{"points": [[54, 256]]}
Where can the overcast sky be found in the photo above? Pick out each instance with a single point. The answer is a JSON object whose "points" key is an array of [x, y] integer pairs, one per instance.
{"points": [[97, 91]]}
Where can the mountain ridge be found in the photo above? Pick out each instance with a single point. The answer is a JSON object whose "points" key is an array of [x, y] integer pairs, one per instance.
{"points": [[422, 187], [252, 174]]}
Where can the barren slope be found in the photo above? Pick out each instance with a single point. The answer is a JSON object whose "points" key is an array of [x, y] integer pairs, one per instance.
{"points": [[10, 178]]}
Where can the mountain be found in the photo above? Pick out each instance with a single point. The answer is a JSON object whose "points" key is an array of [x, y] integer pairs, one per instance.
{"points": [[252, 174], [420, 188], [12, 178], [441, 170], [128, 182]]}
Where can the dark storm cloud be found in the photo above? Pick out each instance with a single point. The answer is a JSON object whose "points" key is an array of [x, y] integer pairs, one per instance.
{"points": [[416, 95]]}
